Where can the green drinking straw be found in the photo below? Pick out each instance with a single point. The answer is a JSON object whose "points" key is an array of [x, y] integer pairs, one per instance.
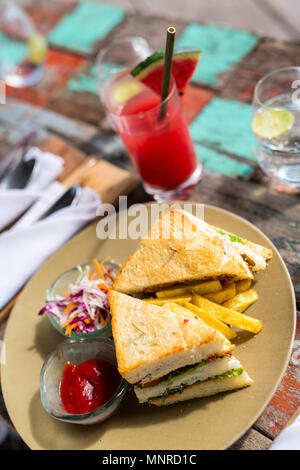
{"points": [[167, 70]]}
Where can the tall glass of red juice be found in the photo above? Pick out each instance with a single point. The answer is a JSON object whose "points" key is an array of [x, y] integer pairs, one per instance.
{"points": [[159, 146]]}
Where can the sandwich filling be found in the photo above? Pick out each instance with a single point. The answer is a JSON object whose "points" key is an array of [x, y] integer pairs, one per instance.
{"points": [[177, 381], [255, 256]]}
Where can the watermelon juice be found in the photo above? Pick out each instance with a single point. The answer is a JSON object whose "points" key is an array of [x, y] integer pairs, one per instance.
{"points": [[160, 147]]}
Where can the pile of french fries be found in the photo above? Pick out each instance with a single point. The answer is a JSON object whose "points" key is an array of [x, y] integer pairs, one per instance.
{"points": [[219, 305]]}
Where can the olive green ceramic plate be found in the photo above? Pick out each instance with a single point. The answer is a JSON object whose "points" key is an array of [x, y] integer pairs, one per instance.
{"points": [[207, 423]]}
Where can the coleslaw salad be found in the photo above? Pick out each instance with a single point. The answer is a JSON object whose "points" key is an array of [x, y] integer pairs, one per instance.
{"points": [[85, 307]]}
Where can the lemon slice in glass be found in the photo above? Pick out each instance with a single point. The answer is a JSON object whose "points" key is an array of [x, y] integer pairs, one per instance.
{"points": [[37, 46], [272, 122], [125, 90]]}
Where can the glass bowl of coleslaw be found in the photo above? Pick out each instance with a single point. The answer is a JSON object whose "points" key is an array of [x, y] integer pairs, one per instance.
{"points": [[77, 302]]}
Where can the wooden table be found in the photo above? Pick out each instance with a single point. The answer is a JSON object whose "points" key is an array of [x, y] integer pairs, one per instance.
{"points": [[65, 105]]}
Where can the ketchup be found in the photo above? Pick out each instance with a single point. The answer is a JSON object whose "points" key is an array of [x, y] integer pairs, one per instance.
{"points": [[88, 385]]}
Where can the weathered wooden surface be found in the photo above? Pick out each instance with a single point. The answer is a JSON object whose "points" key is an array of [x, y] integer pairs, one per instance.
{"points": [[252, 440], [274, 18], [267, 56], [72, 111]]}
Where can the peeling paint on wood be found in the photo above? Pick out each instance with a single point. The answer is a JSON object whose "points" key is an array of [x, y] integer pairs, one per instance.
{"points": [[287, 397], [225, 125], [59, 68], [88, 22], [221, 48], [194, 100], [269, 55], [45, 15]]}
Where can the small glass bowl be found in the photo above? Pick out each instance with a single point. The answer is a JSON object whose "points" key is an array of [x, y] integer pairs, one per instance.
{"points": [[76, 352], [61, 285]]}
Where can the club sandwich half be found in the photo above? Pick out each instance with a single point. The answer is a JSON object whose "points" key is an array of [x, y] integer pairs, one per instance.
{"points": [[171, 357], [181, 248]]}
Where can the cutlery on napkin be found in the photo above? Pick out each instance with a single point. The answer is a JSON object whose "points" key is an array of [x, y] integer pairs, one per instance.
{"points": [[16, 153], [106, 179], [13, 202], [24, 248]]}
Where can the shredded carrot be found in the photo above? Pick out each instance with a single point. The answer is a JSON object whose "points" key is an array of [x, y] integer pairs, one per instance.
{"points": [[101, 319], [89, 272], [69, 308], [69, 320], [70, 328], [104, 269], [66, 294], [98, 269], [87, 321], [68, 331], [93, 275], [103, 286]]}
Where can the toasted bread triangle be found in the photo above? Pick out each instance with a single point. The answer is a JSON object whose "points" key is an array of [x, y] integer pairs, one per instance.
{"points": [[179, 248], [151, 340]]}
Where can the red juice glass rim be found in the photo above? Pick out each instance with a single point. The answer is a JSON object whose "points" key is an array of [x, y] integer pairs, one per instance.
{"points": [[118, 59], [148, 121], [173, 93]]}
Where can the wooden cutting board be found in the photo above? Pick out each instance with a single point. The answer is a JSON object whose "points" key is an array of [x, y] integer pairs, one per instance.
{"points": [[106, 179]]}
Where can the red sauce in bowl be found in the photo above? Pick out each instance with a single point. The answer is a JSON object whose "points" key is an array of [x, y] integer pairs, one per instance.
{"points": [[88, 385]]}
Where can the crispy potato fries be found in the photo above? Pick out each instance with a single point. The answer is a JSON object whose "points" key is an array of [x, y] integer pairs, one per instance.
{"points": [[204, 287], [226, 315], [241, 286], [178, 300], [205, 316], [241, 301], [219, 306], [207, 287], [226, 293]]}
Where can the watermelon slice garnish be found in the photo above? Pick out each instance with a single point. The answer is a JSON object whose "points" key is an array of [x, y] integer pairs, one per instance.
{"points": [[150, 71]]}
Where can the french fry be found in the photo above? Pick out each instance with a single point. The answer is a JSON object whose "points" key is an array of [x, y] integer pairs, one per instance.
{"points": [[209, 319], [243, 285], [207, 287], [219, 297], [173, 292], [204, 287], [241, 301], [179, 309], [177, 300], [228, 316]]}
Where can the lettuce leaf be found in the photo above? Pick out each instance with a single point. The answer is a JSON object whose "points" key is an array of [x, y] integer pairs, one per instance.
{"points": [[180, 389], [232, 238]]}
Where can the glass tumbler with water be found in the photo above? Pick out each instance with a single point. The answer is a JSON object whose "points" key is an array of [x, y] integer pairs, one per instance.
{"points": [[276, 125]]}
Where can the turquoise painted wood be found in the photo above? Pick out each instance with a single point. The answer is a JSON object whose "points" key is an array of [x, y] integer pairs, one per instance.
{"points": [[86, 24], [85, 82], [11, 52], [221, 48], [89, 81], [225, 125], [221, 163]]}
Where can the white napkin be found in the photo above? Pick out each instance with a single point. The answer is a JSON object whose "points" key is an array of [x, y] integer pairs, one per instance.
{"points": [[48, 197], [13, 202], [289, 439], [23, 249]]}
